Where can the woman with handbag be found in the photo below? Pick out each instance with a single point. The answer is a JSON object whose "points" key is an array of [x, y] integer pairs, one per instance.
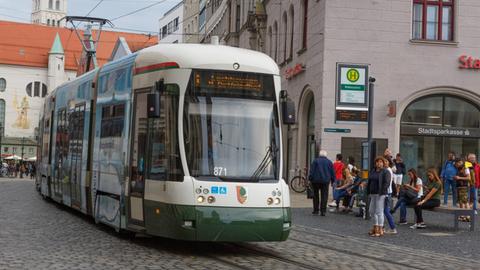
{"points": [[409, 194], [378, 182]]}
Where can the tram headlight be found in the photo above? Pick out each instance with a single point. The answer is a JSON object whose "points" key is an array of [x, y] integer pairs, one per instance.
{"points": [[277, 200], [211, 199], [274, 193], [279, 193], [200, 199], [269, 201], [198, 190], [205, 191]]}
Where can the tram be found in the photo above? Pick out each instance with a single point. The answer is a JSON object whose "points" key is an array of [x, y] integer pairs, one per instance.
{"points": [[181, 141]]}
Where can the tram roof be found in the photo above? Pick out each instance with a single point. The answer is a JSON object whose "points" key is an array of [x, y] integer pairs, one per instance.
{"points": [[207, 56]]}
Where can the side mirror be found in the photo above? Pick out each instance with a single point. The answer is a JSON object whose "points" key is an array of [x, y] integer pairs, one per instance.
{"points": [[288, 112], [153, 100]]}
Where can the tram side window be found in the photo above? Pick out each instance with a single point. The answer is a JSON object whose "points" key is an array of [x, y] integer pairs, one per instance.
{"points": [[112, 120], [164, 161]]}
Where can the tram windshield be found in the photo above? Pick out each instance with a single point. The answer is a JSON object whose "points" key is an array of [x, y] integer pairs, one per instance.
{"points": [[231, 126]]}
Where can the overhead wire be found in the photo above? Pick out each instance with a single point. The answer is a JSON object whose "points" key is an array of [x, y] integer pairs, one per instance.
{"points": [[138, 10]]}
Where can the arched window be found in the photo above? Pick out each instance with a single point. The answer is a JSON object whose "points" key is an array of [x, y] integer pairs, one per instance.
{"points": [[285, 36], [48, 21], [53, 22], [36, 89], [292, 27], [304, 23], [50, 4], [275, 42], [432, 126]]}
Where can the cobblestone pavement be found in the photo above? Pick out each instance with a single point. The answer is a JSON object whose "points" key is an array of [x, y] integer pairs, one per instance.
{"points": [[36, 234]]}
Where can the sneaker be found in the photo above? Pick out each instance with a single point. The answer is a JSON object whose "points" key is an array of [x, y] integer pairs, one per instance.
{"points": [[403, 223], [391, 231], [333, 204], [418, 226]]}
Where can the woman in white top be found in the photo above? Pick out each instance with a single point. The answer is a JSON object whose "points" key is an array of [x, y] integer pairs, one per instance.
{"points": [[415, 184]]}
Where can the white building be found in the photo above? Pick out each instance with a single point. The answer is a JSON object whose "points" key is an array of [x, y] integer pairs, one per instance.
{"points": [[171, 30], [49, 12]]}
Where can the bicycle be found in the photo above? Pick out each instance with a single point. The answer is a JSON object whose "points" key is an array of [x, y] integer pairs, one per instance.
{"points": [[299, 182]]}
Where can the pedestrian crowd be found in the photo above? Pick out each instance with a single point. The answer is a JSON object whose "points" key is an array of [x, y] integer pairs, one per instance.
{"points": [[18, 169], [385, 191]]}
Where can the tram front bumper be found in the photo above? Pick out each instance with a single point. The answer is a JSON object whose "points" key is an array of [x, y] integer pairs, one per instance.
{"points": [[215, 223], [231, 224]]}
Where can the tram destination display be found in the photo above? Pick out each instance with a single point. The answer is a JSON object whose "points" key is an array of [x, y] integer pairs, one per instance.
{"points": [[351, 116]]}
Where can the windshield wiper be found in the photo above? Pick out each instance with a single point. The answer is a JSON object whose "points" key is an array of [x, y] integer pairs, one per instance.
{"points": [[267, 159]]}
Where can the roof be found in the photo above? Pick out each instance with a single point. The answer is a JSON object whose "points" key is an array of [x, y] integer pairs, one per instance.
{"points": [[57, 47], [207, 56], [27, 44]]}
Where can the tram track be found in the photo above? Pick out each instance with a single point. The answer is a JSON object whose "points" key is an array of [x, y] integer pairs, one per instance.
{"points": [[401, 252]]}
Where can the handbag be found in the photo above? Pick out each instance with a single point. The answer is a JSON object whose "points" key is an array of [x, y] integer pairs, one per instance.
{"points": [[408, 193]]}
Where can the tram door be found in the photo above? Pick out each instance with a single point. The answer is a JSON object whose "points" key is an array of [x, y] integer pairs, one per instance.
{"points": [[138, 159]]}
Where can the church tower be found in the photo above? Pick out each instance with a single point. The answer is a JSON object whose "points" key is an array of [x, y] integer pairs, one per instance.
{"points": [[49, 12]]}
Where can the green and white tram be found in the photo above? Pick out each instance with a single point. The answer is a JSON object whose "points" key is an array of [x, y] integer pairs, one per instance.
{"points": [[177, 140]]}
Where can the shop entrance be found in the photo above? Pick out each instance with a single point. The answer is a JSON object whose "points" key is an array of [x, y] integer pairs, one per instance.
{"points": [[434, 125]]}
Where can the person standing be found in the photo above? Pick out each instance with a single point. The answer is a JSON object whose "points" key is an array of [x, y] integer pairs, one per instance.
{"points": [[321, 174], [399, 172], [377, 188], [386, 211], [476, 171], [448, 172], [338, 167]]}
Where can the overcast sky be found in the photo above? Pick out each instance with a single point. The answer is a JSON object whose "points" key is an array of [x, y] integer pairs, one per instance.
{"points": [[145, 20]]}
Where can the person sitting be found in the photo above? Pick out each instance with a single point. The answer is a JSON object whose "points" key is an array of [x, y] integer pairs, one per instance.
{"points": [[343, 190], [431, 200], [405, 197]]}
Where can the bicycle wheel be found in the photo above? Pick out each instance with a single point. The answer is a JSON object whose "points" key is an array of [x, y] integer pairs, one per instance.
{"points": [[298, 184]]}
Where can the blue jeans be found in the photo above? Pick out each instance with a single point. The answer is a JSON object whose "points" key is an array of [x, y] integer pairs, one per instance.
{"points": [[402, 204], [386, 213], [473, 191], [446, 190], [338, 194]]}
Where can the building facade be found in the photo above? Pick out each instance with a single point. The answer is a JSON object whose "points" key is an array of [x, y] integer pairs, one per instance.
{"points": [[424, 55], [190, 23], [49, 12], [171, 30]]}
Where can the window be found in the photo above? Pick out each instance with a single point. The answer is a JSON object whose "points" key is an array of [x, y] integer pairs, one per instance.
{"points": [[175, 24], [57, 5], [53, 22], [164, 31], [275, 42], [39, 89], [285, 36], [304, 24], [3, 84], [58, 24], [30, 150], [50, 4], [237, 18], [48, 21], [5, 149], [112, 121], [270, 40], [14, 150], [2, 117], [292, 25], [352, 147], [163, 162], [433, 20]]}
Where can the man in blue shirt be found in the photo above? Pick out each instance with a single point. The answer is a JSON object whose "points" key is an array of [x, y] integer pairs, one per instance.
{"points": [[321, 174], [448, 172]]}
